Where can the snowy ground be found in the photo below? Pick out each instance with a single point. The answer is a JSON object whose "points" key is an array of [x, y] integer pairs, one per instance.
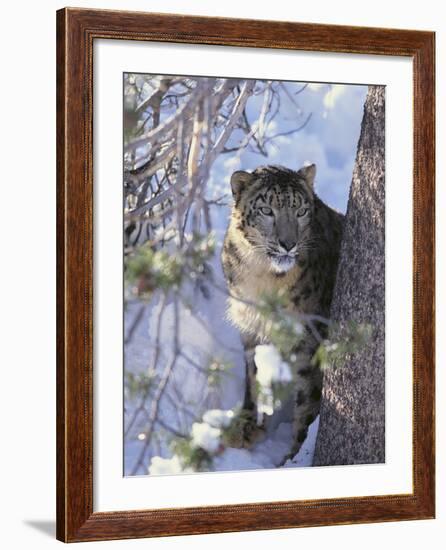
{"points": [[204, 334], [270, 452]]}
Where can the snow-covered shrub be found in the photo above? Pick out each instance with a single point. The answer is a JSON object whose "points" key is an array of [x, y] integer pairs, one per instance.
{"points": [[284, 330], [332, 352], [205, 441], [218, 418], [205, 436], [272, 373], [148, 269], [270, 366], [163, 466]]}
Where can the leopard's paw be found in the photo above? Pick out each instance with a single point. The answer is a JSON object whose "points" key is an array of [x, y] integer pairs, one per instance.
{"points": [[244, 431]]}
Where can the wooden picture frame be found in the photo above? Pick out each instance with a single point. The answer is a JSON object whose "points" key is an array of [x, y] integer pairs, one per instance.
{"points": [[76, 31]]}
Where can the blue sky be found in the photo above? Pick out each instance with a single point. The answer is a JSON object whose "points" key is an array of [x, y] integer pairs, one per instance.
{"points": [[329, 139]]}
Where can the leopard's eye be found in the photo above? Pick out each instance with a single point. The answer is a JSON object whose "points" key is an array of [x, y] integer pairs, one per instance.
{"points": [[266, 210], [301, 211]]}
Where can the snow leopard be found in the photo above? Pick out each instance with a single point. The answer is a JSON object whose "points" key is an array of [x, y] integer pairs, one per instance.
{"points": [[281, 235]]}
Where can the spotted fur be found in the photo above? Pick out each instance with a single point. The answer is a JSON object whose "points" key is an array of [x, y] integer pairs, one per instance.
{"points": [[281, 236]]}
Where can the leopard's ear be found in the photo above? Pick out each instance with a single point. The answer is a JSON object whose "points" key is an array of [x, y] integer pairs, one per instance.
{"points": [[239, 180], [308, 173]]}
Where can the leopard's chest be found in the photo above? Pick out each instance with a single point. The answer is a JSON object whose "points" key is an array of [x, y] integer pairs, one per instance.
{"points": [[248, 293]]}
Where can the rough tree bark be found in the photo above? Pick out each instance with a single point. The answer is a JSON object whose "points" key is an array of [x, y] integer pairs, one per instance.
{"points": [[352, 410]]}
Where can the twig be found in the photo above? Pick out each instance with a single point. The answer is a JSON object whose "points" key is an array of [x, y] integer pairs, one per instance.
{"points": [[289, 132], [235, 115], [154, 361], [170, 429], [153, 415], [136, 320]]}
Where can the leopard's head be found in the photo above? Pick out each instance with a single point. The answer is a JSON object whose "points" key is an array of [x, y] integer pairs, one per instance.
{"points": [[273, 209]]}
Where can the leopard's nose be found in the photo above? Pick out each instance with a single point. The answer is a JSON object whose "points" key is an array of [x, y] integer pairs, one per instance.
{"points": [[288, 245]]}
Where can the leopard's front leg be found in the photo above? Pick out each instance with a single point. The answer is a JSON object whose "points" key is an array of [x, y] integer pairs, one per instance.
{"points": [[308, 388], [245, 428], [250, 397]]}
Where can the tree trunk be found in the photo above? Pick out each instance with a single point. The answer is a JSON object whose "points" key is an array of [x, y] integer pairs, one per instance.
{"points": [[352, 410]]}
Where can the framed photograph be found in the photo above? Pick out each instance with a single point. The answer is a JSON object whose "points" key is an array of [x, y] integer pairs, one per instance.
{"points": [[245, 225]]}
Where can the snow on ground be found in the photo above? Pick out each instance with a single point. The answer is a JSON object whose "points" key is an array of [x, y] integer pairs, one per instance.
{"points": [[189, 396], [306, 453], [270, 452], [163, 466], [204, 334]]}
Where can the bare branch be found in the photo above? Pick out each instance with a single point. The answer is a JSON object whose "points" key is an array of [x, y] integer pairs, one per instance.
{"points": [[154, 362], [154, 100], [152, 166], [163, 129], [135, 323], [235, 115], [293, 131], [153, 415], [171, 429]]}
